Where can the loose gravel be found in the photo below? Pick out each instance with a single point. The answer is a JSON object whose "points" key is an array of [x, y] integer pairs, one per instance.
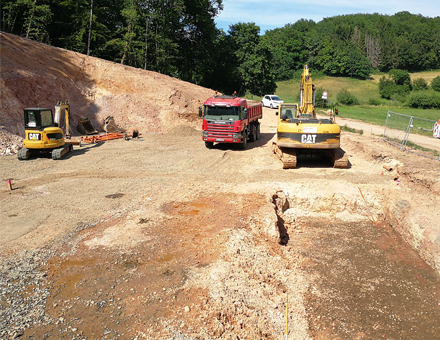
{"points": [[23, 292]]}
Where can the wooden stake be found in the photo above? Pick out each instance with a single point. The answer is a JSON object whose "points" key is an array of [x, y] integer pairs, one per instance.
{"points": [[287, 317]]}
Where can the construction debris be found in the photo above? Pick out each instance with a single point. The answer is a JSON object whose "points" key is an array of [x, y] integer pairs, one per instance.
{"points": [[102, 138], [108, 136]]}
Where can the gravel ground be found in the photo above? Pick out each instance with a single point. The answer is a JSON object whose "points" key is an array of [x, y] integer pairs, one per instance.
{"points": [[24, 290]]}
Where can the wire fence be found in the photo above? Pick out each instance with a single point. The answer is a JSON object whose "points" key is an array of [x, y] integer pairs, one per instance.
{"points": [[410, 133]]}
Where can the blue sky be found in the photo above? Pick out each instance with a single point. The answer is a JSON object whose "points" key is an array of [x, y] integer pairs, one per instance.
{"points": [[277, 13]]}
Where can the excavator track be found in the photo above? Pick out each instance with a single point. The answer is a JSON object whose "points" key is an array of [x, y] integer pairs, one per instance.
{"points": [[23, 154], [60, 152], [286, 155], [340, 159]]}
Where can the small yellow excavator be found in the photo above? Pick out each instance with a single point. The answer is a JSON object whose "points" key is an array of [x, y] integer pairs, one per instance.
{"points": [[43, 133], [299, 131]]}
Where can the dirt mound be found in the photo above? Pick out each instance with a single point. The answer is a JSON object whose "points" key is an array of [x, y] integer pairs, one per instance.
{"points": [[9, 143], [38, 75], [184, 130]]}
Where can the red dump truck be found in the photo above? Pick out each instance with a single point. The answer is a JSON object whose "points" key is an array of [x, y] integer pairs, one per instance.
{"points": [[230, 119]]}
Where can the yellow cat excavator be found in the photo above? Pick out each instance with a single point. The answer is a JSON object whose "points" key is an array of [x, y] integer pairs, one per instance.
{"points": [[43, 133], [299, 131]]}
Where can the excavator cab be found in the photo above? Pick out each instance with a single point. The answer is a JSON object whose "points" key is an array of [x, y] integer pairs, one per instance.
{"points": [[38, 118], [43, 134], [288, 112]]}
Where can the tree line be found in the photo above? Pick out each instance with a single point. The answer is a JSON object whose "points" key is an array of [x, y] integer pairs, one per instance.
{"points": [[356, 45], [179, 38]]}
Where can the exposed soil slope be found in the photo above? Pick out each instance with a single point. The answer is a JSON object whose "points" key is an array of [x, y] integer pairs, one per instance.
{"points": [[38, 75]]}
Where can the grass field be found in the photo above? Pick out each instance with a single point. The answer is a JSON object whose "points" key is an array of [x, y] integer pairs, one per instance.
{"points": [[378, 116], [365, 91], [362, 89]]}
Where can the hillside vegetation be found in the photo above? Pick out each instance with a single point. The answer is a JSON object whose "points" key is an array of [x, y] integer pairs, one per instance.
{"points": [[179, 38]]}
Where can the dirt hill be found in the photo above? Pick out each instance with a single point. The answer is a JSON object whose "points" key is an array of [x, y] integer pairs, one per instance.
{"points": [[38, 75]]}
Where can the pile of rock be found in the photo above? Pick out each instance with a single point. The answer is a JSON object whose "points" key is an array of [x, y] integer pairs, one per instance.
{"points": [[9, 143]]}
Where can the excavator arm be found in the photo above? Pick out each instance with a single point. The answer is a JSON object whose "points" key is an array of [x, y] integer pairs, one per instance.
{"points": [[63, 105], [307, 93]]}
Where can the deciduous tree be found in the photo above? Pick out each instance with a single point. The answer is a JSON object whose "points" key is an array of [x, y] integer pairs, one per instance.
{"points": [[253, 59]]}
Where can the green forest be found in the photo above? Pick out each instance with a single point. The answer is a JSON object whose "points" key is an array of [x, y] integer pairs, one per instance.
{"points": [[179, 38]]}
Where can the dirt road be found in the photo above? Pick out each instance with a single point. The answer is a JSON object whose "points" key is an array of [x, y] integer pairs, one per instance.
{"points": [[161, 238]]}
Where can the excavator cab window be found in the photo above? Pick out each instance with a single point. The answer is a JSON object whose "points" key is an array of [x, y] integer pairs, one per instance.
{"points": [[46, 118], [38, 118], [31, 119], [288, 113]]}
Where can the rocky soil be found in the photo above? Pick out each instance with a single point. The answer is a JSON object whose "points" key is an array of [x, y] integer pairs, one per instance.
{"points": [[10, 143], [161, 238]]}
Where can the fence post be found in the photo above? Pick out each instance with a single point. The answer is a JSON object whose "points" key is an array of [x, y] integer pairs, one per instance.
{"points": [[386, 123], [408, 130]]}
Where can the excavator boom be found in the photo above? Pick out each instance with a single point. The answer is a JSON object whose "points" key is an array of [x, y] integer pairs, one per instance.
{"points": [[63, 105]]}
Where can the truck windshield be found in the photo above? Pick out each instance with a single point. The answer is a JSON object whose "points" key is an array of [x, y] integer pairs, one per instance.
{"points": [[221, 111]]}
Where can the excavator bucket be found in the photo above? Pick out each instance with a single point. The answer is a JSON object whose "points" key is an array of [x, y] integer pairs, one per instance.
{"points": [[111, 127], [85, 127]]}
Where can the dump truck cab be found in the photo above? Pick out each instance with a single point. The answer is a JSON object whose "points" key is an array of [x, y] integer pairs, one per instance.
{"points": [[230, 119]]}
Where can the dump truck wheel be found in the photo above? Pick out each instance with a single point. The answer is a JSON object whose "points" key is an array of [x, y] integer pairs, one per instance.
{"points": [[244, 142], [253, 135], [209, 145]]}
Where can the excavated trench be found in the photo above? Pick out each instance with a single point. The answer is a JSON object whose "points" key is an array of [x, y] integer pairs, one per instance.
{"points": [[366, 282], [223, 266]]}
